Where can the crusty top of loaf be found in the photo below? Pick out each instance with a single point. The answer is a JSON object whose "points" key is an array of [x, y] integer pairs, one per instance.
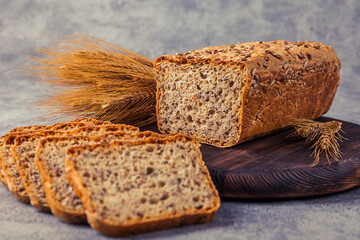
{"points": [[245, 52]]}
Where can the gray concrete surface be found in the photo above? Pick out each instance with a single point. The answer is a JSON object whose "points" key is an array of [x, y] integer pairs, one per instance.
{"points": [[153, 28]]}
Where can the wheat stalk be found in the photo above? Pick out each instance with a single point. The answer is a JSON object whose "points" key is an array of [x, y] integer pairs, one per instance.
{"points": [[93, 78], [325, 136]]}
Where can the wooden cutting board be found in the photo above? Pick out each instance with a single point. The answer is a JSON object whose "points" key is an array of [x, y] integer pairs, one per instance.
{"points": [[276, 166]]}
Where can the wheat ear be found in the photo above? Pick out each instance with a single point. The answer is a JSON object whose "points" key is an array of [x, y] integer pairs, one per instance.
{"points": [[93, 78], [325, 136]]}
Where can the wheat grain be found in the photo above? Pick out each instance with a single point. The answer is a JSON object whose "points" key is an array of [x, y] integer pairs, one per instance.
{"points": [[325, 136], [93, 78]]}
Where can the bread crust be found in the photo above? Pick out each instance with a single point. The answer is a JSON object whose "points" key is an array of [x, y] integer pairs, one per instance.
{"points": [[77, 122], [2, 174], [104, 128], [285, 81], [111, 228]]}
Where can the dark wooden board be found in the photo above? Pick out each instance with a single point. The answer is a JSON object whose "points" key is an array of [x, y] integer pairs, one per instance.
{"points": [[276, 166]]}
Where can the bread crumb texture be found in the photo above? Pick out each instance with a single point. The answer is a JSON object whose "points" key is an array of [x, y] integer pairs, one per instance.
{"points": [[131, 183]]}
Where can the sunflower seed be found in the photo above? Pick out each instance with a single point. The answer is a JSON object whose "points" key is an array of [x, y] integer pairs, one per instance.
{"points": [[257, 78], [305, 64], [253, 71], [301, 55]]}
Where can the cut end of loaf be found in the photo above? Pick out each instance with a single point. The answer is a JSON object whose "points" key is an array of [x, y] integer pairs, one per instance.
{"points": [[201, 100]]}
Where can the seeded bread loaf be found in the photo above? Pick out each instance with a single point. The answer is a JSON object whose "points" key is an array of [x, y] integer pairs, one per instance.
{"points": [[226, 95], [23, 152], [146, 185], [50, 161]]}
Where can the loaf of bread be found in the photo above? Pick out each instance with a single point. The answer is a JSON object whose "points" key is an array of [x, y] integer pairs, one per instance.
{"points": [[50, 161], [24, 149], [130, 187], [226, 95]]}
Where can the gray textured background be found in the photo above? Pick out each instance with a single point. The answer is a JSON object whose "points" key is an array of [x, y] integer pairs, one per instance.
{"points": [[153, 28]]}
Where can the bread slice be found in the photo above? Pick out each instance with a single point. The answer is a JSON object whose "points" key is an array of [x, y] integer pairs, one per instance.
{"points": [[24, 154], [133, 187], [9, 169], [226, 95], [50, 160]]}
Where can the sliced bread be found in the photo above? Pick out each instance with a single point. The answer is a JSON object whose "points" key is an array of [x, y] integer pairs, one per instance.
{"points": [[24, 154], [50, 160], [80, 121], [5, 154], [133, 187], [99, 130], [9, 170], [2, 173]]}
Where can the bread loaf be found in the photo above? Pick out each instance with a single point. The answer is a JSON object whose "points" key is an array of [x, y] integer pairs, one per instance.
{"points": [[226, 95], [50, 161], [133, 187]]}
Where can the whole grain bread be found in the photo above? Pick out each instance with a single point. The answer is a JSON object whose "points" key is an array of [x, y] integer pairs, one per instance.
{"points": [[23, 153], [24, 149], [2, 173], [81, 122], [9, 171], [50, 161], [226, 95], [130, 187]]}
